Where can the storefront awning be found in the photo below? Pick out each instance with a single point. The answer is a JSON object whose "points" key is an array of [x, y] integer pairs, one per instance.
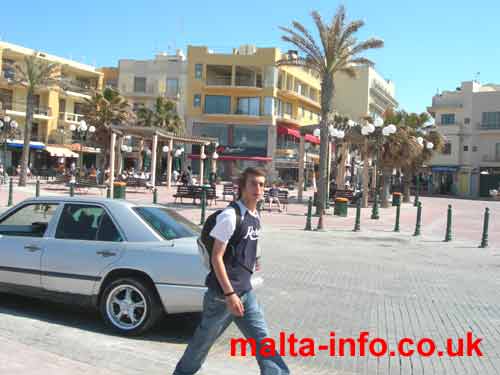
{"points": [[283, 130], [86, 149], [61, 152], [16, 143], [251, 158], [444, 169], [312, 139]]}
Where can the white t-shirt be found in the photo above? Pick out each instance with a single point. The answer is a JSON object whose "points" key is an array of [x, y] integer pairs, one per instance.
{"points": [[226, 223]]}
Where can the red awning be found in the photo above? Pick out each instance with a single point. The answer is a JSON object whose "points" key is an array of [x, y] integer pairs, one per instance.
{"points": [[312, 139], [283, 130], [228, 157]]}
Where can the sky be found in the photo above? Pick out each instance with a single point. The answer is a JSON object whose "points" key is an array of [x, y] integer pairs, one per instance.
{"points": [[430, 46]]}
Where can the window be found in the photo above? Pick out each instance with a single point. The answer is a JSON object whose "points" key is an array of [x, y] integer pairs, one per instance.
{"points": [[467, 121], [249, 106], [491, 120], [447, 148], [167, 223], [31, 220], [217, 104], [86, 222], [447, 119], [62, 105], [198, 71], [139, 84], [217, 131], [197, 100], [474, 148], [250, 137], [288, 109], [6, 99], [78, 109], [268, 106], [466, 148], [172, 87]]}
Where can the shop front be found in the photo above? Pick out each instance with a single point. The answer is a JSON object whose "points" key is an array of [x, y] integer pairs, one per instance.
{"points": [[445, 180], [12, 154], [240, 147]]}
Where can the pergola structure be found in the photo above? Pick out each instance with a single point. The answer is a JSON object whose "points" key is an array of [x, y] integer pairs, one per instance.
{"points": [[155, 134]]}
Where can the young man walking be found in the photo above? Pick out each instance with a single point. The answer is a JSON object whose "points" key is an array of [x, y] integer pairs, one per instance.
{"points": [[229, 297]]}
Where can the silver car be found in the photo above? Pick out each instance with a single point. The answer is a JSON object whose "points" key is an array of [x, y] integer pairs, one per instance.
{"points": [[133, 262]]}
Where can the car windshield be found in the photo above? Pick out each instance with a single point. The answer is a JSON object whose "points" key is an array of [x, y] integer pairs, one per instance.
{"points": [[167, 223]]}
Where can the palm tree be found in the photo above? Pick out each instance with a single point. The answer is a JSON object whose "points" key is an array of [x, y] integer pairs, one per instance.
{"points": [[33, 73], [166, 117], [103, 110], [336, 52]]}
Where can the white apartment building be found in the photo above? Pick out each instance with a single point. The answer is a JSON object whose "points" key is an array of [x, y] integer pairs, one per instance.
{"points": [[142, 81], [469, 119]]}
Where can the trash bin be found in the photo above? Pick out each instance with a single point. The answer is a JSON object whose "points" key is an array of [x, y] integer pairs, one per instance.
{"points": [[396, 199], [341, 207], [119, 189]]}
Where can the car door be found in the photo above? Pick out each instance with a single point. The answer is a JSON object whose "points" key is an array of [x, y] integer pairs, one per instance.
{"points": [[22, 243], [85, 241]]}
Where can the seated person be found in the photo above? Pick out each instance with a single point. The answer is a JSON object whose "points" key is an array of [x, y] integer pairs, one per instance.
{"points": [[273, 197]]}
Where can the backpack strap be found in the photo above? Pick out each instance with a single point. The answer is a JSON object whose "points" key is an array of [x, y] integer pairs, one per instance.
{"points": [[237, 235]]}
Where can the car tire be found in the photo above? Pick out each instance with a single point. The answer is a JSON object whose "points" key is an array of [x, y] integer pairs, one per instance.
{"points": [[130, 296]]}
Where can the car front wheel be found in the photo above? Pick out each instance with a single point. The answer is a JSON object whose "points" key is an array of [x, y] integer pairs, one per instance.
{"points": [[129, 306]]}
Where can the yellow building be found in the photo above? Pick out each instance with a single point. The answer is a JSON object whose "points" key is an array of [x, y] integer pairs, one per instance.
{"points": [[252, 106], [56, 108]]}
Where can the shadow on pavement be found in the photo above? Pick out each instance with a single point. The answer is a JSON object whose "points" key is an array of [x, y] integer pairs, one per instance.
{"points": [[177, 328]]}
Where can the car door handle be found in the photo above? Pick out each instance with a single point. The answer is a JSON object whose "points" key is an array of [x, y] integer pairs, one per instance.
{"points": [[106, 253], [32, 248]]}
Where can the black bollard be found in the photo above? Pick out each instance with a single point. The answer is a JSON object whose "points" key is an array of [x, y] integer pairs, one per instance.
{"points": [[309, 214], [398, 214], [357, 223], [484, 240], [419, 219], [447, 237]]}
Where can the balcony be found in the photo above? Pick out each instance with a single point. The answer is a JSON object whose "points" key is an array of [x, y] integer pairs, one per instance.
{"points": [[491, 158], [19, 109], [219, 75], [383, 94], [489, 126], [71, 118], [85, 87], [248, 77]]}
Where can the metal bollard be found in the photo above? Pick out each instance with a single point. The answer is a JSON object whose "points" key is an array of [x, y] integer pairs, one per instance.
{"points": [[155, 196], [398, 214], [37, 188], [203, 206], [9, 202], [108, 192], [375, 214], [447, 237], [357, 223], [419, 219], [71, 189], [484, 240], [309, 214]]}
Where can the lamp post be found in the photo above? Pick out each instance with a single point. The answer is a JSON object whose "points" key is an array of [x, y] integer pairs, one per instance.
{"points": [[82, 133], [8, 129], [334, 134], [379, 132], [124, 149], [429, 146]]}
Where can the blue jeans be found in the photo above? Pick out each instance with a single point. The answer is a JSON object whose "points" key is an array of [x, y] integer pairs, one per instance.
{"points": [[215, 319]]}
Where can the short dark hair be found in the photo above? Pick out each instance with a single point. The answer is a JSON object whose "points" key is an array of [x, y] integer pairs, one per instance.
{"points": [[250, 171]]}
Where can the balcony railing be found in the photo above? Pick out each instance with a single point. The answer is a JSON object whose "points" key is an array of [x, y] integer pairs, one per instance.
{"points": [[21, 107], [71, 117], [491, 158], [490, 126]]}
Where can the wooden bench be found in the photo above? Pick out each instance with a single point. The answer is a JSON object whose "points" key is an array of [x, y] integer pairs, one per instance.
{"points": [[348, 194], [183, 191], [136, 183], [230, 190], [282, 197]]}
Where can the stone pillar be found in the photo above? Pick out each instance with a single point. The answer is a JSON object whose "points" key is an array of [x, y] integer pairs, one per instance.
{"points": [[153, 160], [112, 163], [170, 155], [301, 168], [202, 164]]}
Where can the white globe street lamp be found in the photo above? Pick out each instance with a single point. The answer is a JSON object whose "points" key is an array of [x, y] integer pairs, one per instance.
{"points": [[72, 127], [430, 145], [215, 155], [378, 122], [92, 129], [165, 149]]}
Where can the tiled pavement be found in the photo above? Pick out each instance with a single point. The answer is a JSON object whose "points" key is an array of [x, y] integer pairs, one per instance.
{"points": [[392, 285]]}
